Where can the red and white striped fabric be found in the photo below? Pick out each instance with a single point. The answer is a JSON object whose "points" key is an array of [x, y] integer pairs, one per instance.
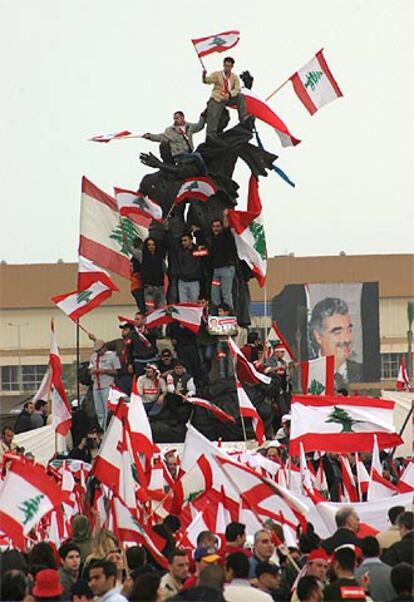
{"points": [[211, 407], [26, 496], [246, 372], [403, 382], [101, 235], [60, 410], [379, 487], [139, 426], [350, 493], [188, 314], [317, 376], [275, 339], [192, 484], [114, 397], [362, 476], [314, 84], [78, 303], [261, 109], [199, 188], [109, 137], [218, 42], [341, 424], [406, 482], [136, 205], [247, 410], [107, 465], [89, 273]]}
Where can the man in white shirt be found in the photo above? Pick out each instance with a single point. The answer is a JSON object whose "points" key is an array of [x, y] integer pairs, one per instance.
{"points": [[102, 579], [237, 575], [103, 367]]}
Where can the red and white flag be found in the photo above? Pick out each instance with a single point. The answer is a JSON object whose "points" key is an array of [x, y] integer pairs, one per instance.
{"points": [[188, 314], [314, 84], [211, 407], [109, 137], [218, 42], [89, 272], [247, 410], [350, 493], [114, 396], [139, 426], [26, 496], [78, 303], [341, 424], [406, 482], [249, 234], [44, 388], [317, 376], [135, 204], [261, 109], [246, 372], [362, 476], [275, 339], [199, 188], [108, 463], [61, 413], [102, 234], [403, 382]]}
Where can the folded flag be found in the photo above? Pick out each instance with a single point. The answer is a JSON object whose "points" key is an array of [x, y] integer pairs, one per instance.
{"points": [[188, 314], [341, 424], [275, 339], [89, 272], [403, 382], [78, 303], [249, 235], [216, 43], [199, 188], [109, 137], [114, 396], [247, 410], [317, 376], [314, 84], [261, 109], [133, 204], [211, 407], [60, 408], [246, 372]]}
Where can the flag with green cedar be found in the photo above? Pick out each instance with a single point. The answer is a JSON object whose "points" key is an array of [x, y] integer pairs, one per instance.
{"points": [[218, 42], [78, 303], [249, 234], [199, 189]]}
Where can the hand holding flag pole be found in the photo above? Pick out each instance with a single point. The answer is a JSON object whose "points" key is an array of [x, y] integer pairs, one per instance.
{"points": [[198, 56]]}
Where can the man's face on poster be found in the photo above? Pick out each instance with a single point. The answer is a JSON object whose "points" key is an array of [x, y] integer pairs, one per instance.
{"points": [[336, 338]]}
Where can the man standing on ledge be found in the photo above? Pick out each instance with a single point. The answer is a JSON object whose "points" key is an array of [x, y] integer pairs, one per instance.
{"points": [[226, 90]]}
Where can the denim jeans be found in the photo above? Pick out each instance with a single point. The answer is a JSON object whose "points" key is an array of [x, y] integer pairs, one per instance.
{"points": [[188, 291], [223, 292], [100, 399]]}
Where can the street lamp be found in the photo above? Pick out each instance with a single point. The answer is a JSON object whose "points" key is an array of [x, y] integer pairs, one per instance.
{"points": [[19, 348]]}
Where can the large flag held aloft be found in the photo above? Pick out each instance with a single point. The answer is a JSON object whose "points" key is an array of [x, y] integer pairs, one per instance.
{"points": [[61, 413], [314, 84], [199, 188], [341, 424], [78, 303], [249, 235], [218, 42], [188, 314], [136, 205]]}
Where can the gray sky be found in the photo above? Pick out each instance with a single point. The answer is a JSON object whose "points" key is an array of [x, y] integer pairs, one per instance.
{"points": [[75, 68]]}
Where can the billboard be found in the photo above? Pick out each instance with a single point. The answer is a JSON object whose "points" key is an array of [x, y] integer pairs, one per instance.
{"points": [[339, 319]]}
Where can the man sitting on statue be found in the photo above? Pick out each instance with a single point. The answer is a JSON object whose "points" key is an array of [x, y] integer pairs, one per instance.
{"points": [[179, 136], [226, 91]]}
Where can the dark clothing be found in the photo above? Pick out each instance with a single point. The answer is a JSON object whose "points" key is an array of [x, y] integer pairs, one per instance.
{"points": [[163, 367], [341, 537], [344, 589], [189, 266], [80, 426], [80, 454], [23, 423], [152, 270], [37, 419], [139, 349], [402, 551], [223, 249], [201, 592]]}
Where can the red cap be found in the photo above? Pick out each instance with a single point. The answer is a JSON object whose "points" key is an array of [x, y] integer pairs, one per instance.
{"points": [[318, 554]]}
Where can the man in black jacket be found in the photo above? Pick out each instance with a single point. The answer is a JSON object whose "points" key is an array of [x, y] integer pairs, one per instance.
{"points": [[223, 255], [402, 551], [189, 269], [23, 422], [347, 522], [142, 349]]}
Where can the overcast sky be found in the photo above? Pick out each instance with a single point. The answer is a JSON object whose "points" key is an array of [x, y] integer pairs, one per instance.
{"points": [[75, 68]]}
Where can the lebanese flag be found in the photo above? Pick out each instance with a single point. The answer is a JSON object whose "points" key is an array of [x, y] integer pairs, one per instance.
{"points": [[249, 235], [191, 485], [406, 482], [109, 137], [317, 376], [314, 84], [78, 303], [403, 382], [101, 234], [219, 42], [108, 463], [348, 480], [44, 388], [61, 414], [246, 372], [139, 426], [199, 188], [211, 407], [247, 410], [89, 272], [379, 487], [132, 204], [362, 476], [341, 424], [114, 397], [261, 109], [275, 339], [26, 496], [188, 314]]}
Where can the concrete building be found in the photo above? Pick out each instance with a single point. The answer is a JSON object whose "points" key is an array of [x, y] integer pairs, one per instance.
{"points": [[26, 311]]}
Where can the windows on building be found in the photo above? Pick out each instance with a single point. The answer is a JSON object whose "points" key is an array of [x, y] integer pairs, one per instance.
{"points": [[390, 364], [29, 379]]}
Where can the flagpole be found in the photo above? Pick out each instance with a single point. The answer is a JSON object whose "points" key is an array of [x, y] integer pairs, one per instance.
{"points": [[77, 362], [277, 89], [199, 57], [171, 209]]}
